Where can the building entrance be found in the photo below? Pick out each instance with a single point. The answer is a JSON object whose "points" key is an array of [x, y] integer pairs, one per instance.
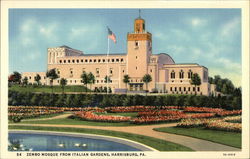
{"points": [[136, 86]]}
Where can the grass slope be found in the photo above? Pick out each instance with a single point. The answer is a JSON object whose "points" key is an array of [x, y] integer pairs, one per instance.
{"points": [[47, 89], [158, 144], [227, 138]]}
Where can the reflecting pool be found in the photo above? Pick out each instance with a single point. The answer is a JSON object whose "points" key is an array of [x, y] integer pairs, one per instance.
{"points": [[23, 141]]}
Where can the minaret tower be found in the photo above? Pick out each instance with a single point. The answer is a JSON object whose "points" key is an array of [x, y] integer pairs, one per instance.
{"points": [[139, 47]]}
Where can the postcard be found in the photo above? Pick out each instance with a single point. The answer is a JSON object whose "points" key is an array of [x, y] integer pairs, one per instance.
{"points": [[124, 79]]}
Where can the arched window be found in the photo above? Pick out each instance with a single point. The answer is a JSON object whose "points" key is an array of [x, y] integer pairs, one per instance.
{"points": [[190, 73], [181, 74], [172, 74]]}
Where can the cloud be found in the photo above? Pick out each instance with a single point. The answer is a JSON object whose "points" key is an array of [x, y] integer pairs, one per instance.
{"points": [[48, 30], [196, 53], [31, 56], [180, 34], [196, 22], [28, 25], [229, 64], [231, 27], [159, 35], [84, 31]]}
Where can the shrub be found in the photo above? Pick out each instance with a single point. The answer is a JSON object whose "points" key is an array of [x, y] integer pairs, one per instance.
{"points": [[15, 119], [103, 100]]}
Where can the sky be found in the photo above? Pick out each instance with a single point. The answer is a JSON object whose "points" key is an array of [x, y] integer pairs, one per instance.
{"points": [[209, 37]]}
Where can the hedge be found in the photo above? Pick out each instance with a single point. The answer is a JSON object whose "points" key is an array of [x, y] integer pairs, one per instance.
{"points": [[104, 100]]}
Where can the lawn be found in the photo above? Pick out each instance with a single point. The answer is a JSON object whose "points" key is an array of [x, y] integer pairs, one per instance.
{"points": [[227, 138], [68, 121], [46, 116], [158, 144], [47, 89]]}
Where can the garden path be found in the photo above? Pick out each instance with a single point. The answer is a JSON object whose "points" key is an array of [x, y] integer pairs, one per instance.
{"points": [[147, 130]]}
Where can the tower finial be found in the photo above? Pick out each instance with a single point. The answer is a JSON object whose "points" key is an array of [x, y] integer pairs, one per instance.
{"points": [[139, 13]]}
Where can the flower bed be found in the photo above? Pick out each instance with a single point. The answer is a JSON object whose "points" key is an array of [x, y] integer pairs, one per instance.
{"points": [[225, 126], [146, 114], [215, 124], [201, 115], [156, 119], [91, 116], [129, 109], [202, 109], [138, 108], [161, 113], [233, 119], [36, 111], [232, 112]]}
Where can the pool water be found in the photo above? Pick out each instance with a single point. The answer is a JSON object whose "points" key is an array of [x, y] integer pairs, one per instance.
{"points": [[51, 142]]}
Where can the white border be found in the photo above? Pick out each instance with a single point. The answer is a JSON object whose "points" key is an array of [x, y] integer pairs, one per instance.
{"points": [[243, 4]]}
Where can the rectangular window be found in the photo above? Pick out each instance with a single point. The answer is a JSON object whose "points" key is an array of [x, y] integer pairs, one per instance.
{"points": [[184, 88], [170, 88], [179, 88], [193, 88], [198, 89], [111, 70], [175, 88], [136, 43], [188, 88]]}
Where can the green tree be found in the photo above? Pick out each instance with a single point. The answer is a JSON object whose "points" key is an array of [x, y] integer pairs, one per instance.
{"points": [[146, 79], [37, 79], [126, 81], [63, 83], [17, 77], [223, 85], [210, 80], [107, 80], [91, 79], [196, 81], [85, 80], [25, 81], [52, 75]]}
